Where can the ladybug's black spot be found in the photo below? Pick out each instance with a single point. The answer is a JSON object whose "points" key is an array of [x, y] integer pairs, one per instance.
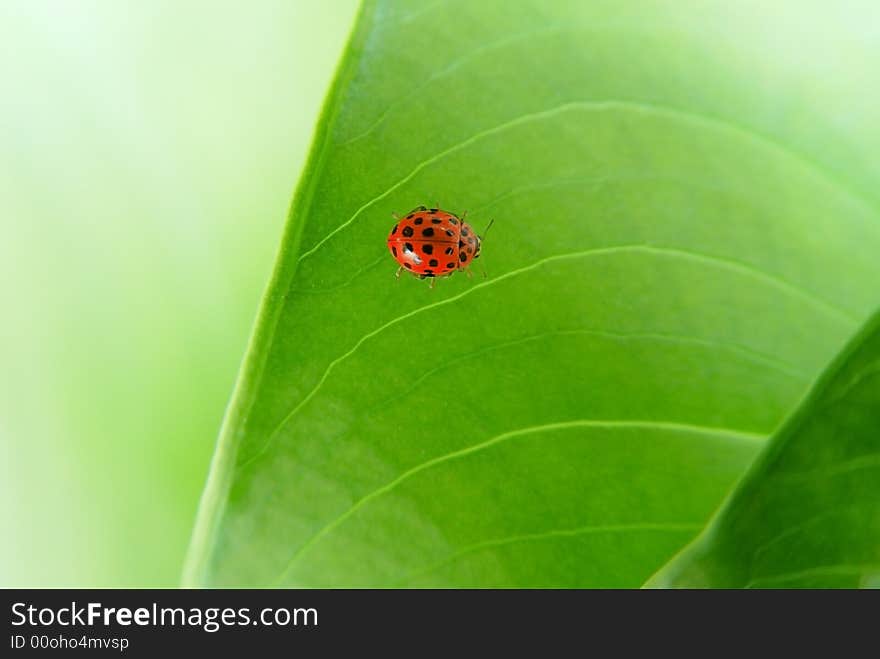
{"points": [[450, 233], [433, 263], [421, 208], [394, 230], [434, 210], [428, 248], [427, 233], [407, 231], [450, 266], [394, 251], [429, 273], [409, 217], [452, 220], [407, 266], [419, 220], [471, 241], [436, 220], [407, 247], [463, 257], [449, 251], [461, 243], [464, 232]]}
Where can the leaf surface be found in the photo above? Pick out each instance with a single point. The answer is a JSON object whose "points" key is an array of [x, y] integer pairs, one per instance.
{"points": [[673, 261]]}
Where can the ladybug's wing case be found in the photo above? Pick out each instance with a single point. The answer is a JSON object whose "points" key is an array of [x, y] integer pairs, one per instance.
{"points": [[421, 258], [426, 242]]}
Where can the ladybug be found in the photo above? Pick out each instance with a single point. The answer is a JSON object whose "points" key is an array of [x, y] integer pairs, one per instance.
{"points": [[431, 243]]}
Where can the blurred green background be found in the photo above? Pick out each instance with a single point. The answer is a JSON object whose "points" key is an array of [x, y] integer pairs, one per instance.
{"points": [[149, 153]]}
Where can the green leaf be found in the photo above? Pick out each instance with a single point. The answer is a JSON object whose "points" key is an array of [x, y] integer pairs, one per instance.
{"points": [[684, 237], [808, 512]]}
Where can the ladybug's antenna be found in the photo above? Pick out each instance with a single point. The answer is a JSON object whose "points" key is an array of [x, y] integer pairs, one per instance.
{"points": [[482, 237]]}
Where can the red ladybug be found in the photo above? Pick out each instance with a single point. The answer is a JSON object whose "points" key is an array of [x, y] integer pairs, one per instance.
{"points": [[430, 242]]}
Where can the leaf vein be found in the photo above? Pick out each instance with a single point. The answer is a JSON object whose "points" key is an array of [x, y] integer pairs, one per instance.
{"points": [[594, 106], [449, 68], [671, 527], [705, 259], [754, 355], [498, 439], [507, 40]]}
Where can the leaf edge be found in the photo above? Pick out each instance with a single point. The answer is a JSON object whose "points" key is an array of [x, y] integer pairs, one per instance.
{"points": [[212, 502]]}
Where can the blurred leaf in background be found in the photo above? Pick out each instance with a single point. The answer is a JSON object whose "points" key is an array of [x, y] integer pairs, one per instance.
{"points": [[686, 203], [147, 152]]}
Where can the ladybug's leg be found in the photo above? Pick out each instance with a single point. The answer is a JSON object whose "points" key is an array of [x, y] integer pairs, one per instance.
{"points": [[468, 272], [395, 216], [399, 270], [433, 281], [463, 215]]}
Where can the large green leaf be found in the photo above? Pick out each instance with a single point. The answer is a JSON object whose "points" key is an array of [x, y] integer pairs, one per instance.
{"points": [[685, 235], [808, 512]]}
